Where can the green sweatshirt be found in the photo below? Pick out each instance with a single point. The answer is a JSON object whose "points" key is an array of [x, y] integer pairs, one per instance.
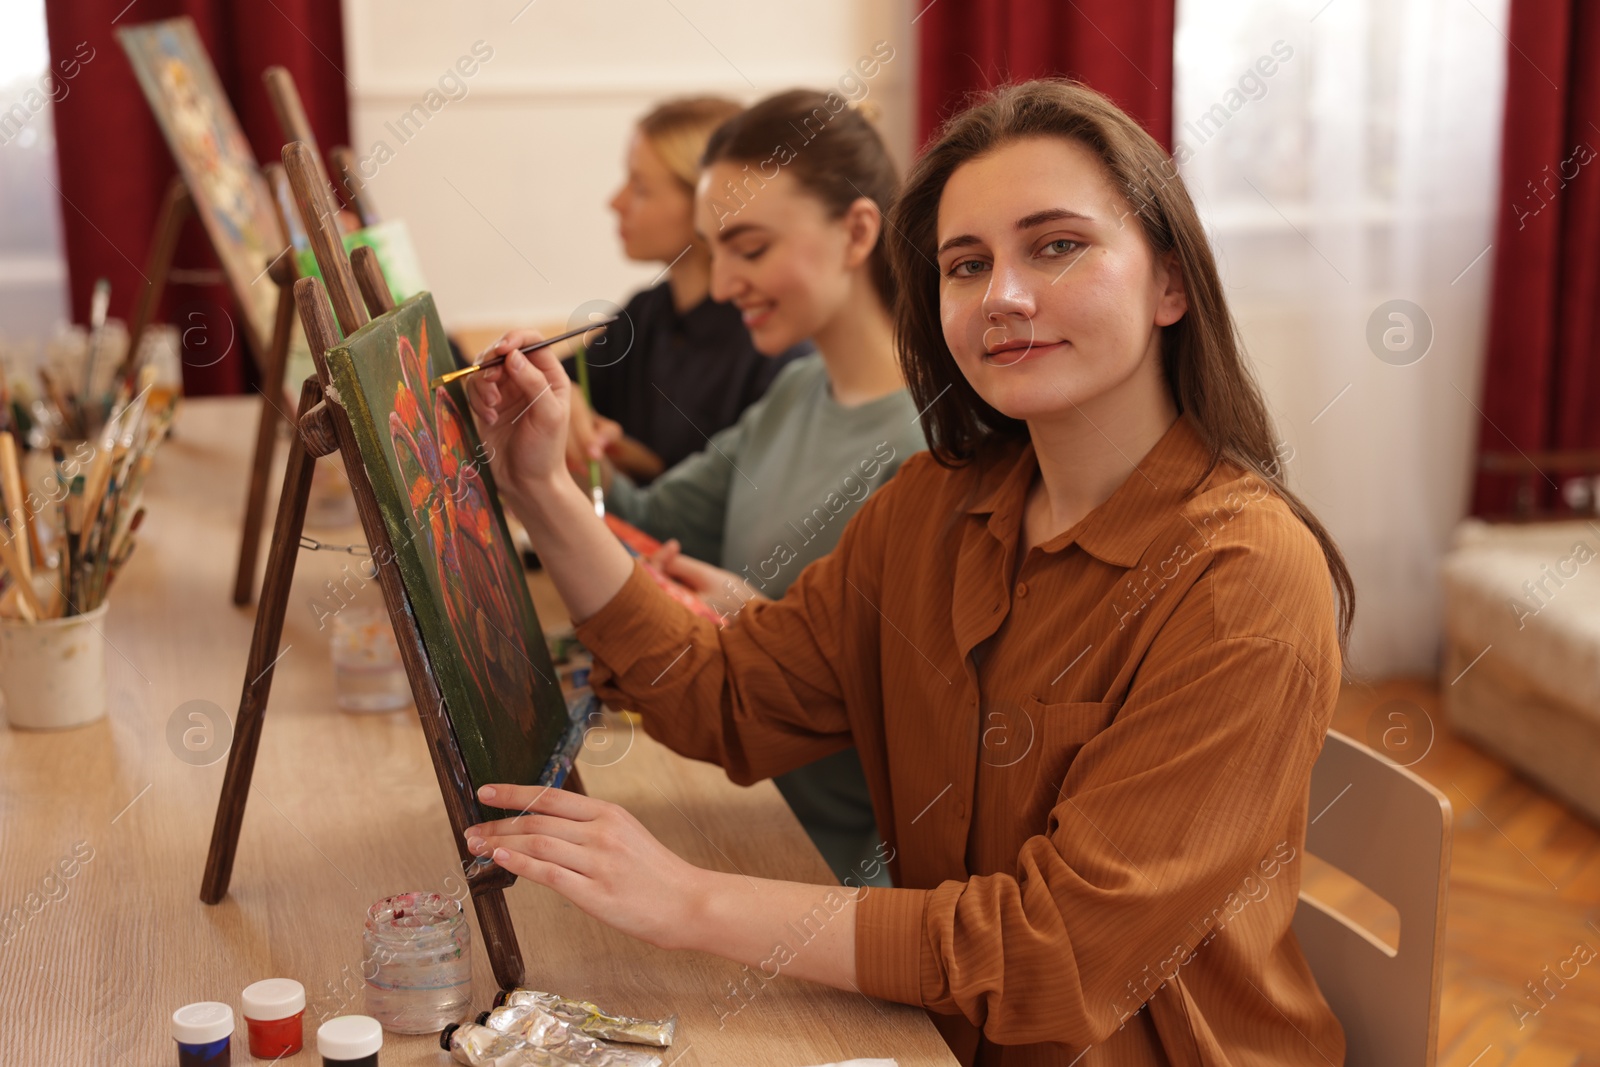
{"points": [[772, 492]]}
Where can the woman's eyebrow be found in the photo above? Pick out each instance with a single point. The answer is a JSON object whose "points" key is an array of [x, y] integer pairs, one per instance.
{"points": [[963, 241], [1027, 222], [734, 231]]}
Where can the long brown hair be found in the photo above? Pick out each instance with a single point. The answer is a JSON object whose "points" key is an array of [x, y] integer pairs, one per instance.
{"points": [[830, 148], [1201, 354]]}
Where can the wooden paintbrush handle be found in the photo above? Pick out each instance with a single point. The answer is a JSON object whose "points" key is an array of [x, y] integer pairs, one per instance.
{"points": [[16, 501], [32, 609]]}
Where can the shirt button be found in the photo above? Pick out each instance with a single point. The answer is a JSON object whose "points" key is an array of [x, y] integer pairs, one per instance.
{"points": [[1022, 588], [961, 809]]}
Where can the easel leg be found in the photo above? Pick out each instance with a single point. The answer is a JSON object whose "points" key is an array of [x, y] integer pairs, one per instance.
{"points": [[255, 507], [263, 651], [499, 937], [175, 208]]}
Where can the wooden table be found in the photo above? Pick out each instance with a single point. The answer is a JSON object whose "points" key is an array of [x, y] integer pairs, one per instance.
{"points": [[344, 810]]}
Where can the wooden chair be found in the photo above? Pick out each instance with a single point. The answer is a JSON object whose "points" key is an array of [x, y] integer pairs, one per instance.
{"points": [[1385, 827]]}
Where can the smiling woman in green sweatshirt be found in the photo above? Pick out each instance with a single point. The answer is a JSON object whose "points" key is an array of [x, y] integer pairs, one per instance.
{"points": [[792, 198]]}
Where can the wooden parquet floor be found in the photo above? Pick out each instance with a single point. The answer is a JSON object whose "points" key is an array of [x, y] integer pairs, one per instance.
{"points": [[1524, 892]]}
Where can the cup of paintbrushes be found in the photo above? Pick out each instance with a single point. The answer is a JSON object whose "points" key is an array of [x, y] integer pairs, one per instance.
{"points": [[53, 670]]}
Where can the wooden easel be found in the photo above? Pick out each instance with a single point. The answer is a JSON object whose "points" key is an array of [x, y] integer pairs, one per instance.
{"points": [[355, 189], [324, 429], [283, 273], [291, 115]]}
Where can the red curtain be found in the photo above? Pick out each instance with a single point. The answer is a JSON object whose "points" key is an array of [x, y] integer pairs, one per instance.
{"points": [[1541, 386], [113, 163], [1122, 48]]}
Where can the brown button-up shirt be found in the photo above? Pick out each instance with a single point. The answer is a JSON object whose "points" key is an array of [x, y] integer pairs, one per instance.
{"points": [[1091, 764]]}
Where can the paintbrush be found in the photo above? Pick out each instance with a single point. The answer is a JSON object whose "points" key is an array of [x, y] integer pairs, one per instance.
{"points": [[32, 609], [595, 492], [456, 375], [16, 502], [118, 556], [97, 324], [66, 410]]}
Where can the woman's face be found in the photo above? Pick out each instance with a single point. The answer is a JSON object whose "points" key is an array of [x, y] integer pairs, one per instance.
{"points": [[775, 253], [655, 213], [1050, 298]]}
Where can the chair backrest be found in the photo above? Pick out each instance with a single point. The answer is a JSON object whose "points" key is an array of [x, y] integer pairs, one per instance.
{"points": [[1388, 829]]}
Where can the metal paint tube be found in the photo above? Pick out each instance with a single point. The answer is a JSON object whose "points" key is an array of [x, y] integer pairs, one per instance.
{"points": [[479, 1046], [533, 1024], [596, 1023]]}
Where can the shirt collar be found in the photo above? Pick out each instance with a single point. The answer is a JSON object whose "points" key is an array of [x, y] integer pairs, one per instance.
{"points": [[1121, 528]]}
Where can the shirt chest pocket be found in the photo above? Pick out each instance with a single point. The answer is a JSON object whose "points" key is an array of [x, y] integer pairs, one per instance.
{"points": [[1060, 731]]}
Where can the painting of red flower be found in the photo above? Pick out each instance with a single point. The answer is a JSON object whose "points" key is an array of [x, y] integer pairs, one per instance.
{"points": [[463, 579]]}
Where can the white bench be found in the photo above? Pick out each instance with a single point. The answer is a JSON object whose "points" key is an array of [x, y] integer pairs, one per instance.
{"points": [[1529, 593]]}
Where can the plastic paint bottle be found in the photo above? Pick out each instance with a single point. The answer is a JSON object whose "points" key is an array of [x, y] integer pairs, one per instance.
{"points": [[273, 1014], [204, 1033], [350, 1041]]}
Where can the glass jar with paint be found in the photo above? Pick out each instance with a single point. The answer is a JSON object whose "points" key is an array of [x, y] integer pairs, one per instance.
{"points": [[418, 962], [349, 1041], [368, 673], [204, 1033], [274, 1011]]}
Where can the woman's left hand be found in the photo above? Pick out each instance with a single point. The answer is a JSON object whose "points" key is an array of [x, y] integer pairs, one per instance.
{"points": [[724, 592], [595, 854]]}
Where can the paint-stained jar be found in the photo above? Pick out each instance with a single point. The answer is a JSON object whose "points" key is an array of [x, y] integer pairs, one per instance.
{"points": [[418, 963]]}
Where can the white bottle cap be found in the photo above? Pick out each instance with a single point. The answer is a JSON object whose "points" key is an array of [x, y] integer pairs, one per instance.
{"points": [[349, 1037], [273, 998], [202, 1023]]}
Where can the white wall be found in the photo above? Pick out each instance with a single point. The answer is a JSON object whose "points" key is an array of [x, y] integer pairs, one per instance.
{"points": [[504, 189]]}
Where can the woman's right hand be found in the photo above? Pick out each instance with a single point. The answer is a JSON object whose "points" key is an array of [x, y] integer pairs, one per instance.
{"points": [[522, 411]]}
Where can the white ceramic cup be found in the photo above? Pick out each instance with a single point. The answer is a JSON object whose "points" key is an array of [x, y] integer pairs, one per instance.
{"points": [[53, 672]]}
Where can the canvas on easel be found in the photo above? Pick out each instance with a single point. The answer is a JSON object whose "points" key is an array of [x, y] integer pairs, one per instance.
{"points": [[215, 164], [429, 474]]}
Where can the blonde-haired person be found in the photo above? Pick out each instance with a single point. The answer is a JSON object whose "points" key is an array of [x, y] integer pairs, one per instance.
{"points": [[679, 365], [1088, 646]]}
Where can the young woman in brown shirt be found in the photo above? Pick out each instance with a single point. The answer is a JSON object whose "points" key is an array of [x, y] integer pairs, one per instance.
{"points": [[1088, 647]]}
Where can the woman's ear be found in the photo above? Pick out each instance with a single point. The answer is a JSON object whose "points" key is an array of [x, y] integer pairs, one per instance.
{"points": [[863, 222], [1174, 300]]}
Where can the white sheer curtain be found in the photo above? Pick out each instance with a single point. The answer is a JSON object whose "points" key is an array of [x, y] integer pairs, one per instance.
{"points": [[1357, 165], [33, 272]]}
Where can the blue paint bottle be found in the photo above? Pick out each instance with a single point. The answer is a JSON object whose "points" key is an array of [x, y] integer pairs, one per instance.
{"points": [[204, 1033]]}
